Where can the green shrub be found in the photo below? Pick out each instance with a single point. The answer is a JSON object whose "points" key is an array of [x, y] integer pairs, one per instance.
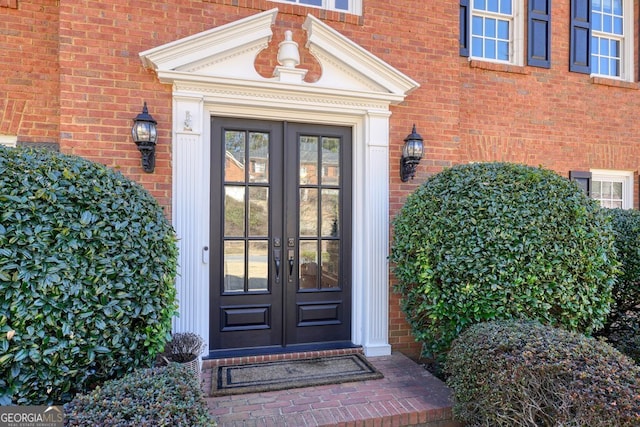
{"points": [[626, 293], [496, 240], [509, 373], [622, 327], [164, 396], [625, 336], [87, 269]]}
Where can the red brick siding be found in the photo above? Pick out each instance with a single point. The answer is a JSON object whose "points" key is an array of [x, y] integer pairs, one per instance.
{"points": [[12, 4], [465, 111], [550, 117], [29, 91]]}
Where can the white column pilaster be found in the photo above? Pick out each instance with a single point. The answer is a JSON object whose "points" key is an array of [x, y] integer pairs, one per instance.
{"points": [[376, 234], [191, 212]]}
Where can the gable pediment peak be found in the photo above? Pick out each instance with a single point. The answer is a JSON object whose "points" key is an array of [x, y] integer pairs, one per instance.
{"points": [[230, 50]]}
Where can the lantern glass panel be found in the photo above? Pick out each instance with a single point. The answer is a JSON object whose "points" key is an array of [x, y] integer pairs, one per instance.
{"points": [[413, 149], [144, 132]]}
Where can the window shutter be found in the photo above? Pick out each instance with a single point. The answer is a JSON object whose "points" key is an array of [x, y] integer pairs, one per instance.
{"points": [[580, 49], [539, 28], [583, 179], [464, 27]]}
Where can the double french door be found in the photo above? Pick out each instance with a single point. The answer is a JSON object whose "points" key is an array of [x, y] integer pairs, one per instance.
{"points": [[281, 234]]}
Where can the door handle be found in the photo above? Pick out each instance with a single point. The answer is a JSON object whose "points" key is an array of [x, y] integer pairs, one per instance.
{"points": [[291, 260], [276, 258]]}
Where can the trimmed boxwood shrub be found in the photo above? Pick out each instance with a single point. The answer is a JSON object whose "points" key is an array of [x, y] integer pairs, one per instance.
{"points": [[163, 396], [622, 328], [487, 241], [87, 269], [510, 373]]}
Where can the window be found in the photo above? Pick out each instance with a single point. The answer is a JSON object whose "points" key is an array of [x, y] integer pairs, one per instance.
{"points": [[493, 30], [614, 189], [351, 6], [601, 38], [8, 140]]}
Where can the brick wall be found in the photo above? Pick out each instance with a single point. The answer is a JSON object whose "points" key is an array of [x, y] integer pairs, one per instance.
{"points": [[465, 111], [29, 94], [550, 117]]}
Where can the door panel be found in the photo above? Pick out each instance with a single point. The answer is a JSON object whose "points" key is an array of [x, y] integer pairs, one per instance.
{"points": [[244, 291], [318, 297], [280, 233]]}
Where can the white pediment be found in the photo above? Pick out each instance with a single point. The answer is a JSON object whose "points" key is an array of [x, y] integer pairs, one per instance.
{"points": [[228, 52]]}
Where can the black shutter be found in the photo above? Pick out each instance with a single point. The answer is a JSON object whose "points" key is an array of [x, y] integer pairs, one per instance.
{"points": [[539, 28], [583, 179], [464, 27], [580, 49]]}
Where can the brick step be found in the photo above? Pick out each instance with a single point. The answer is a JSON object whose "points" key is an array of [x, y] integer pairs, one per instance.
{"points": [[408, 395]]}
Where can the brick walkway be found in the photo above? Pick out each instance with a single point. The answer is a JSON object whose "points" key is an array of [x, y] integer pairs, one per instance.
{"points": [[408, 395]]}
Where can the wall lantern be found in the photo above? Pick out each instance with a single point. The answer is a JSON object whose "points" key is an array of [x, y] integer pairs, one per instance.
{"points": [[411, 155], [145, 135]]}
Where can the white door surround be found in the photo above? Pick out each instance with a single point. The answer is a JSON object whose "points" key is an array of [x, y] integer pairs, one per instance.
{"points": [[213, 74]]}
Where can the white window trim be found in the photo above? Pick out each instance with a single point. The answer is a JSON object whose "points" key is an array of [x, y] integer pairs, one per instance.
{"points": [[626, 177], [517, 36], [9, 140], [627, 41], [355, 6]]}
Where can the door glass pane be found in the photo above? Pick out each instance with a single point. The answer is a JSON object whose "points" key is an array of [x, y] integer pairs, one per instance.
{"points": [[330, 161], [330, 264], [234, 142], [308, 160], [258, 265], [308, 264], [259, 157], [330, 209], [234, 266], [308, 212], [258, 211], [234, 211]]}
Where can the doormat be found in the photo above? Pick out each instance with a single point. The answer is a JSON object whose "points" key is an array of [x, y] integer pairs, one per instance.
{"points": [[285, 374]]}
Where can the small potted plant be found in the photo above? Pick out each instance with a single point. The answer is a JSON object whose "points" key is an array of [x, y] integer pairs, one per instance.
{"points": [[185, 348]]}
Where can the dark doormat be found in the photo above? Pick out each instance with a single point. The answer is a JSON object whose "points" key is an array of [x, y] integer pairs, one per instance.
{"points": [[285, 374]]}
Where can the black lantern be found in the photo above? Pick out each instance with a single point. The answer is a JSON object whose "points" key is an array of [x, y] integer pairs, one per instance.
{"points": [[144, 134], [411, 155]]}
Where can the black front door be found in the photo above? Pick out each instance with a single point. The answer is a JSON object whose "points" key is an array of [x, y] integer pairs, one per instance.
{"points": [[281, 234]]}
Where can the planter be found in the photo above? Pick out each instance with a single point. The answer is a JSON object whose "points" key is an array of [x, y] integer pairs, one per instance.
{"points": [[192, 365], [191, 362], [185, 349]]}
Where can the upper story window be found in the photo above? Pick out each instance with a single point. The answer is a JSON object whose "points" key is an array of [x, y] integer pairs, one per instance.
{"points": [[492, 23], [494, 30], [608, 37], [602, 38], [350, 6]]}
